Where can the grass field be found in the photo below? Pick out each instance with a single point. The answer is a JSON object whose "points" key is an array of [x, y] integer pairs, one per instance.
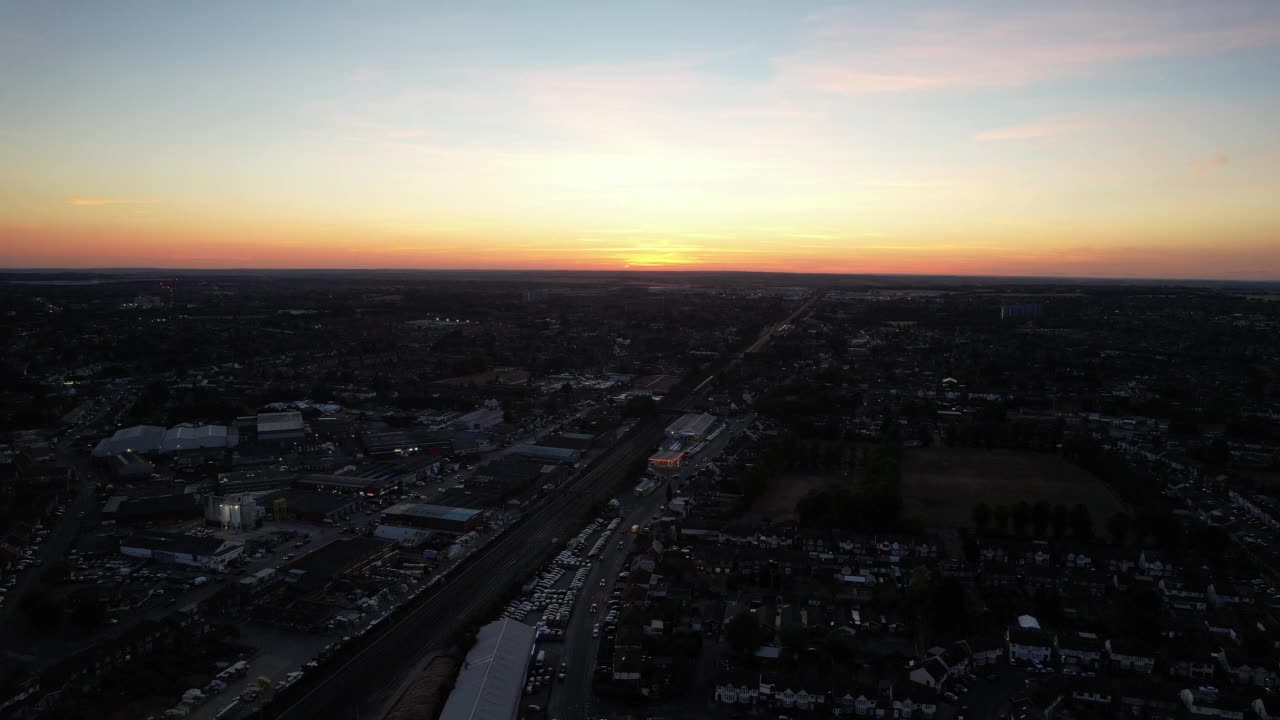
{"points": [[941, 485], [778, 503]]}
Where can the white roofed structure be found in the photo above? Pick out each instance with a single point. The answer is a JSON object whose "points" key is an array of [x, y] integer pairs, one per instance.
{"points": [[690, 427], [198, 437], [141, 439], [491, 682]]}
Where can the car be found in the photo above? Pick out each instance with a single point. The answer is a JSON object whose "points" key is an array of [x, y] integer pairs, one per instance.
{"points": [[595, 630], [950, 696]]}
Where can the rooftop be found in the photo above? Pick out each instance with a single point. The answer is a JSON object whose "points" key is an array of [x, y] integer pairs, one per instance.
{"points": [[492, 677], [433, 512]]}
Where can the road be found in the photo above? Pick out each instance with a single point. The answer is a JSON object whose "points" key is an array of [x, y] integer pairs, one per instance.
{"points": [[368, 683], [572, 697], [382, 667], [768, 332], [62, 535]]}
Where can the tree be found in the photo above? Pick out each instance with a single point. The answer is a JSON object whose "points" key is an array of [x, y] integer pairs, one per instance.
{"points": [[920, 580], [1080, 520], [1058, 520], [1041, 514], [981, 516], [742, 633], [1001, 518], [1020, 516], [1118, 527]]}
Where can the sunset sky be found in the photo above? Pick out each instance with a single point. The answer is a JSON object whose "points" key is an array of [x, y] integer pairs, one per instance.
{"points": [[1056, 138]]}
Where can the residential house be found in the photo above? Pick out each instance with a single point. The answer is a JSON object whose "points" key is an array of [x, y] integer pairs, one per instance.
{"points": [[1030, 645], [1081, 649], [1131, 656]]}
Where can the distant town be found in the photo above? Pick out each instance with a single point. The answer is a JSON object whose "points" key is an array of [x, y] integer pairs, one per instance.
{"points": [[474, 496]]}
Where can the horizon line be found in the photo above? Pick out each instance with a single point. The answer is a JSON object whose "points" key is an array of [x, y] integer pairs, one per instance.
{"points": [[640, 271]]}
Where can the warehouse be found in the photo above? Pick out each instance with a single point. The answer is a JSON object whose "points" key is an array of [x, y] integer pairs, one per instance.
{"points": [[566, 456], [280, 427], [141, 439], [404, 536], [368, 487], [491, 681], [581, 442], [202, 552], [310, 506], [174, 507], [399, 443], [481, 420], [433, 517], [198, 439], [130, 467], [691, 428], [317, 569]]}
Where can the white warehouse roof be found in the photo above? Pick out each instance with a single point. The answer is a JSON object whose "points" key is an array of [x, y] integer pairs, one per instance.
{"points": [[198, 437], [491, 682], [290, 421], [691, 425], [142, 439]]}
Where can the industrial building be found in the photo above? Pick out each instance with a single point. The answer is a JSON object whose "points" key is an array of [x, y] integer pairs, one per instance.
{"points": [[491, 680], [174, 507], [198, 439], [481, 420], [310, 506], [206, 552], [130, 467], [140, 439], [368, 487], [233, 512], [280, 427], [567, 456], [433, 517], [581, 442], [406, 536], [314, 571], [400, 443], [241, 481], [692, 427]]}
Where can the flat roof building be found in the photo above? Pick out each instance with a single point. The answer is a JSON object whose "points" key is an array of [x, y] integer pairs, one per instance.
{"points": [[369, 487], [666, 459], [433, 517], [280, 426], [204, 552], [567, 456], [491, 681], [480, 420], [310, 506]]}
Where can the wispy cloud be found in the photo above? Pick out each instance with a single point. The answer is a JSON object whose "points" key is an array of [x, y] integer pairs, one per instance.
{"points": [[1037, 129], [849, 53], [95, 202], [1207, 165]]}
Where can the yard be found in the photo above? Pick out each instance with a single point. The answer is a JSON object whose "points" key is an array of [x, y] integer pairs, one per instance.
{"points": [[941, 485]]}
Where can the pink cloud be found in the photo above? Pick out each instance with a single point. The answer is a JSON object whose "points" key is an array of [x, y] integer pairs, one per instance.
{"points": [[846, 54], [1206, 165]]}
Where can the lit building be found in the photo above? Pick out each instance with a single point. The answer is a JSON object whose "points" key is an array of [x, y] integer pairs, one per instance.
{"points": [[691, 428]]}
